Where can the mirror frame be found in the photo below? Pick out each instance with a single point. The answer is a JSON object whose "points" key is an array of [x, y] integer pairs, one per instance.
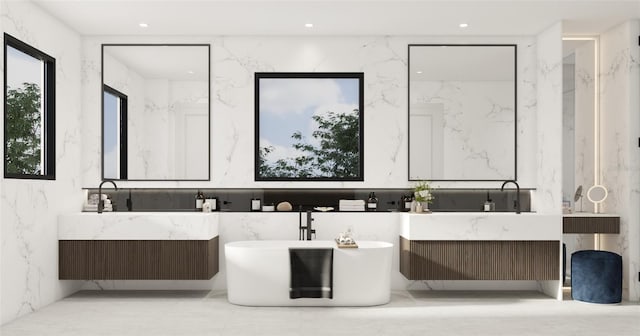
{"points": [[515, 109], [358, 76], [208, 46]]}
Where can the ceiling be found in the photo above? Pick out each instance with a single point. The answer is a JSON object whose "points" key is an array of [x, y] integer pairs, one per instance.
{"points": [[346, 17]]}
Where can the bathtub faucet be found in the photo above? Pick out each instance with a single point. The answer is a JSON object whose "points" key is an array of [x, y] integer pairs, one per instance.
{"points": [[305, 232]]}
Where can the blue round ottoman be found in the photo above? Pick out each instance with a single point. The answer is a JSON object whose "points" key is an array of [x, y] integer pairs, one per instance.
{"points": [[596, 276]]}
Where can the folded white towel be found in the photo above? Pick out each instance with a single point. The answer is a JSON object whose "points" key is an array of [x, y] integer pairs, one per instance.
{"points": [[352, 208], [344, 202], [94, 208], [93, 198]]}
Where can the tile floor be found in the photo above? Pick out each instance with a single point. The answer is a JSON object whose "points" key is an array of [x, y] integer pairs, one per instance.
{"points": [[408, 313]]}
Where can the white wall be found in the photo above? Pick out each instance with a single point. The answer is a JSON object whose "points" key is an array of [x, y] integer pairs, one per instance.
{"points": [[382, 59], [549, 131], [620, 159], [549, 121], [29, 208]]}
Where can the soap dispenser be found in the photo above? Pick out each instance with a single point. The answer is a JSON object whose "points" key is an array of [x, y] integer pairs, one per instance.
{"points": [[489, 205], [199, 200], [372, 202]]}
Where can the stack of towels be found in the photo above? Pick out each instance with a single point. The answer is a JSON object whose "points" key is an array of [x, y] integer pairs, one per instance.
{"points": [[91, 204], [351, 205]]}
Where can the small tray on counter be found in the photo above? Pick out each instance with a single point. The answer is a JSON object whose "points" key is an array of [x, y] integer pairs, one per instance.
{"points": [[354, 245]]}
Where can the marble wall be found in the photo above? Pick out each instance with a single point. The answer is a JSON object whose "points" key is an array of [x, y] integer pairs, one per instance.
{"points": [[620, 158], [29, 208], [549, 129], [384, 63]]}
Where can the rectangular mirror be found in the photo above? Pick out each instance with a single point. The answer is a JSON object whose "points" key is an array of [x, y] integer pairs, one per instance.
{"points": [[155, 112], [462, 112], [309, 126], [579, 113]]}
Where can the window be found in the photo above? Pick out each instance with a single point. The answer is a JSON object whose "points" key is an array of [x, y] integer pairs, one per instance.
{"points": [[29, 111], [115, 134], [309, 126]]}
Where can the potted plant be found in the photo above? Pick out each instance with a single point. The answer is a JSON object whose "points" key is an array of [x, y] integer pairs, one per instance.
{"points": [[423, 196]]}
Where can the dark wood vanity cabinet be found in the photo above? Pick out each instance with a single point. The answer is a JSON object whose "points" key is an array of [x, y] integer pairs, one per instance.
{"points": [[138, 259], [590, 224], [479, 260]]}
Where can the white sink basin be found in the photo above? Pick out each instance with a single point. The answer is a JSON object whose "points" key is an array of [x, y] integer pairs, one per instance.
{"points": [[481, 226]]}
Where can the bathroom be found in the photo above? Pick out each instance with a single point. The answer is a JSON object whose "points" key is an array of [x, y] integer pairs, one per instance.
{"points": [[30, 208]]}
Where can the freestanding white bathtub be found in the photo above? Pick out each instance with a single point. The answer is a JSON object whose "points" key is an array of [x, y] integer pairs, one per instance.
{"points": [[258, 273]]}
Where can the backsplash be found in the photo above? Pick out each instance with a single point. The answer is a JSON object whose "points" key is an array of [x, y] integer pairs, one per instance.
{"points": [[239, 200]]}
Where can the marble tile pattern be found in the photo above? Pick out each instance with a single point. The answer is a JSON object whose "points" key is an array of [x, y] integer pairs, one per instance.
{"points": [[382, 59], [549, 120], [481, 226], [29, 208], [620, 159], [138, 226], [408, 313]]}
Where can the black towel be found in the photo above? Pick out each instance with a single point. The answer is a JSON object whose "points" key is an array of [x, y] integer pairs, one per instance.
{"points": [[311, 273]]}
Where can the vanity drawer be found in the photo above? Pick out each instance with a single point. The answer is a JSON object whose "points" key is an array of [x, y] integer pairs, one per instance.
{"points": [[138, 259]]}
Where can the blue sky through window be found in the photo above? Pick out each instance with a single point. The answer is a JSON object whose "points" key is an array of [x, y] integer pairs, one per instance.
{"points": [[287, 105], [111, 136]]}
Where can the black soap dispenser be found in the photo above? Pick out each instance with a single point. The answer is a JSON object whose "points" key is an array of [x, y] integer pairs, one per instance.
{"points": [[372, 202], [199, 200], [489, 205]]}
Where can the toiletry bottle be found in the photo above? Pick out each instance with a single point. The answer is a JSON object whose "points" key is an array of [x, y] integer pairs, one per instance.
{"points": [[206, 206], [407, 203], [213, 201], [199, 200], [256, 204], [488, 204], [372, 202]]}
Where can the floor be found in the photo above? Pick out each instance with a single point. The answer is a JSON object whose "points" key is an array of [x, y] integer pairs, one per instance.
{"points": [[408, 313]]}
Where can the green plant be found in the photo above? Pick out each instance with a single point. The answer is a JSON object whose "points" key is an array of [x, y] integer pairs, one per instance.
{"points": [[422, 192], [23, 133]]}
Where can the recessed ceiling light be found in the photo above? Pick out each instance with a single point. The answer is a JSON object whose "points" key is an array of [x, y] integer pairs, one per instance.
{"points": [[308, 25], [143, 25], [463, 25], [190, 72], [418, 72]]}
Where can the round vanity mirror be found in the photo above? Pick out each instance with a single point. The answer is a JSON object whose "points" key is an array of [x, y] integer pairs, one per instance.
{"points": [[597, 194]]}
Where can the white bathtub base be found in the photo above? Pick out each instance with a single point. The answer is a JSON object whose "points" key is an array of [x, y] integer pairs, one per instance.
{"points": [[258, 274]]}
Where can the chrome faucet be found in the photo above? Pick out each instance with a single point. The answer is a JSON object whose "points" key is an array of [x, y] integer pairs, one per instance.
{"points": [[516, 203], [305, 232], [100, 200]]}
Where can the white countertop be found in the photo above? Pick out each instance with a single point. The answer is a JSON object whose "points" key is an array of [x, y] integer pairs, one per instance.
{"points": [[590, 214], [481, 226], [138, 226], [204, 226]]}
